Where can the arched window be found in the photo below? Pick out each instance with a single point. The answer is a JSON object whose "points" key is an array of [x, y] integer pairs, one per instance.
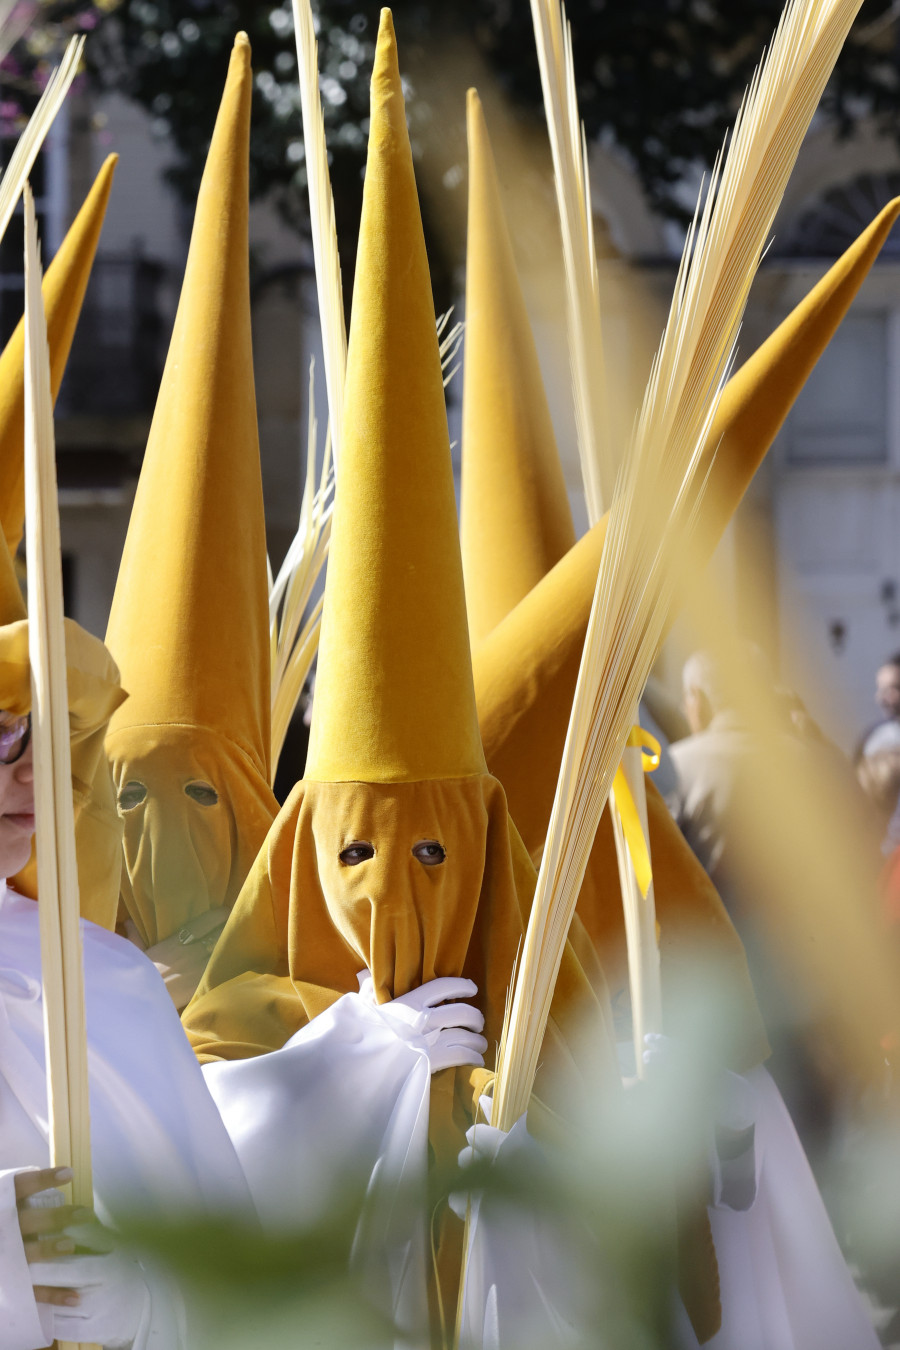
{"points": [[831, 224]]}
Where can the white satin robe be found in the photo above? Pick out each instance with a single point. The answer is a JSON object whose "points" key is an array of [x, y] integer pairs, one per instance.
{"points": [[157, 1140], [350, 1092]]}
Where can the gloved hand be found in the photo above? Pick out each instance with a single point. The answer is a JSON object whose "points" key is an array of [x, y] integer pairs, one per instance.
{"points": [[483, 1140], [112, 1298], [483, 1143], [182, 958], [448, 1032], [732, 1154]]}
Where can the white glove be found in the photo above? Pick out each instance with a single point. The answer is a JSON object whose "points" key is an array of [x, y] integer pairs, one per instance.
{"points": [[733, 1162], [113, 1298], [484, 1142], [447, 1032]]}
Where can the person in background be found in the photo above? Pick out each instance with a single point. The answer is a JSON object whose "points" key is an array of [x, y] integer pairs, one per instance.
{"points": [[719, 767], [885, 734], [710, 763], [879, 777]]}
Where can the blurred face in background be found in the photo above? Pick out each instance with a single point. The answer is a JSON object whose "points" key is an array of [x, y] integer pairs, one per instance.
{"points": [[697, 709], [887, 690]]}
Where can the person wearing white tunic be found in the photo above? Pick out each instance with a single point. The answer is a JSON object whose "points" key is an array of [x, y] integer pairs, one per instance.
{"points": [[360, 982], [158, 1144]]}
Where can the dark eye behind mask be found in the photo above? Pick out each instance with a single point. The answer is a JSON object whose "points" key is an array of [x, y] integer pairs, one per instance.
{"points": [[131, 795], [429, 852], [356, 853]]}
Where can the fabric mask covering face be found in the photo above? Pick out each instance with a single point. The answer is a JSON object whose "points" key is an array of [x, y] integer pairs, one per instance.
{"points": [[180, 791], [402, 869]]}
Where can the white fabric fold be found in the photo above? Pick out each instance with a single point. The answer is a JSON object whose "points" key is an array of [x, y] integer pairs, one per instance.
{"points": [[524, 1283], [784, 1282], [344, 1101], [21, 1326], [159, 1146]]}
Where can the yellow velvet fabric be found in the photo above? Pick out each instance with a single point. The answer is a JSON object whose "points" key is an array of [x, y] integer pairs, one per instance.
{"points": [[694, 930], [306, 916], [525, 670], [185, 855], [12, 601], [395, 755], [305, 923], [515, 519], [760, 395], [64, 285], [98, 835], [94, 694], [394, 697], [189, 620]]}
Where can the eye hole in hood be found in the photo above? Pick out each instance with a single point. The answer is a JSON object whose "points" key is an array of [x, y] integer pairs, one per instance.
{"points": [[131, 795], [202, 793], [358, 852], [429, 852]]}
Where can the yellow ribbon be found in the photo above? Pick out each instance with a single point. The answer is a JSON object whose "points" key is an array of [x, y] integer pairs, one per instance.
{"points": [[632, 827]]}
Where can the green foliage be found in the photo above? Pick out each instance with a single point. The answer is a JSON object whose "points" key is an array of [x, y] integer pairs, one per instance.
{"points": [[171, 56], [661, 79]]}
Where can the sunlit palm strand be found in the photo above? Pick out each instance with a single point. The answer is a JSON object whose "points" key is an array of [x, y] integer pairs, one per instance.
{"points": [[659, 489], [65, 1034], [15, 175], [14, 23], [450, 340], [293, 620], [293, 623], [599, 462], [322, 224], [553, 37]]}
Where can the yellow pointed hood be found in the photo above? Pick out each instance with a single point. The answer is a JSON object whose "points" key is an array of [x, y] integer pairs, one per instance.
{"points": [[760, 395], [94, 692], [525, 671], [515, 518], [189, 620], [396, 852], [394, 696], [65, 283]]}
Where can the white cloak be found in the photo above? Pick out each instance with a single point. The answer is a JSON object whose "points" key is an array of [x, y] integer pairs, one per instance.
{"points": [[157, 1140], [351, 1090]]}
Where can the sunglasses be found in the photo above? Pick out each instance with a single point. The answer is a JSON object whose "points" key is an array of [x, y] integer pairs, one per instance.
{"points": [[15, 733]]}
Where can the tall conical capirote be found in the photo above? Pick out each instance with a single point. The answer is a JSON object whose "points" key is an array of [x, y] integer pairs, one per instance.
{"points": [[516, 522], [189, 626], [525, 671], [189, 620], [394, 695], [64, 286]]}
